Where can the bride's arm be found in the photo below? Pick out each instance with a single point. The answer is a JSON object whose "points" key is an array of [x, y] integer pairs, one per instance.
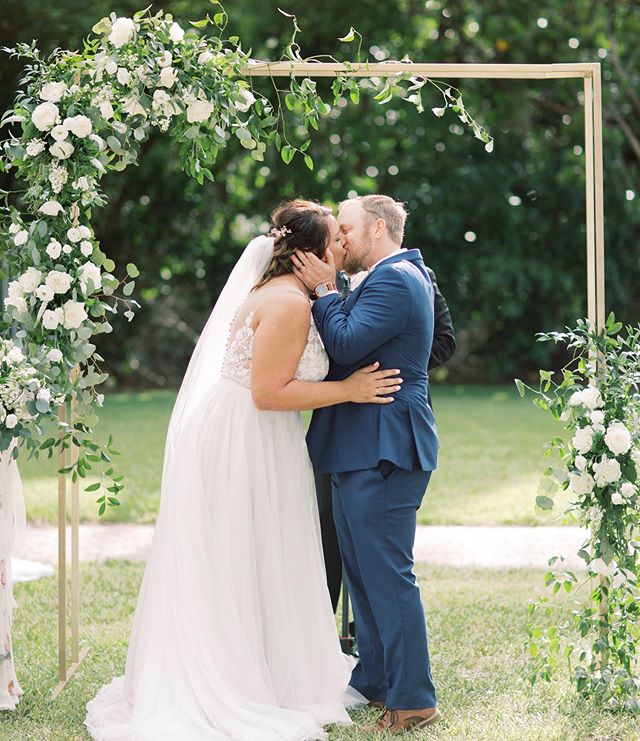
{"points": [[280, 336]]}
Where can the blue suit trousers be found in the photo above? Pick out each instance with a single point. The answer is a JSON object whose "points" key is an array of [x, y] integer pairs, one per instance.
{"points": [[375, 515]]}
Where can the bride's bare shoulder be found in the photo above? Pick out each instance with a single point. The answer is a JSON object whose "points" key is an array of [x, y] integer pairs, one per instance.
{"points": [[282, 302]]}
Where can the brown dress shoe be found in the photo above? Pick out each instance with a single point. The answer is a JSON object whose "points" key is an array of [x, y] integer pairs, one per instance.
{"points": [[377, 704], [400, 721], [383, 722]]}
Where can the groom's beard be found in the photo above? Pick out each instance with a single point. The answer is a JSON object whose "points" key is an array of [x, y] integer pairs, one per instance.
{"points": [[355, 264]]}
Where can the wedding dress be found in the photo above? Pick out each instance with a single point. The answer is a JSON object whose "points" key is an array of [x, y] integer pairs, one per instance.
{"points": [[234, 635]]}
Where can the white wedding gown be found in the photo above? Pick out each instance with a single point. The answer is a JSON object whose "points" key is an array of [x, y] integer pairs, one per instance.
{"points": [[233, 636]]}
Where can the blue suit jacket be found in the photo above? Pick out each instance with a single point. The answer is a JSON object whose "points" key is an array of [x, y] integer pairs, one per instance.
{"points": [[389, 318]]}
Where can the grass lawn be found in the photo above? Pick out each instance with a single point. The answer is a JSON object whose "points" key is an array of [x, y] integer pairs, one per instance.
{"points": [[477, 622], [490, 461]]}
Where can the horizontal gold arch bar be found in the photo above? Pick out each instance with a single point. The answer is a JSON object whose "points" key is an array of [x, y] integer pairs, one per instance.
{"points": [[441, 71]]}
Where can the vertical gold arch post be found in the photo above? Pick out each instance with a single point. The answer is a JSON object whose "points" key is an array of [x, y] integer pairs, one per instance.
{"points": [[594, 214]]}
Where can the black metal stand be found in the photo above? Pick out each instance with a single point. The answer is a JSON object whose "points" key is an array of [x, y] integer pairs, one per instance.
{"points": [[347, 642]]}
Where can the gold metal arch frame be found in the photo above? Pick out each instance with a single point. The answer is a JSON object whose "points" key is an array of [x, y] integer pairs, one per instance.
{"points": [[590, 74]]}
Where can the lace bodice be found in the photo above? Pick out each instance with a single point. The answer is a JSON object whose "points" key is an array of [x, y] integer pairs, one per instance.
{"points": [[313, 366]]}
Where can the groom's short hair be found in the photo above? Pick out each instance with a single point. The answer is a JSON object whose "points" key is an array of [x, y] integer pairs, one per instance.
{"points": [[384, 207]]}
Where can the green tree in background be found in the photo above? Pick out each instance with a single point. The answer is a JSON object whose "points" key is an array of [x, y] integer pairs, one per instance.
{"points": [[504, 232]]}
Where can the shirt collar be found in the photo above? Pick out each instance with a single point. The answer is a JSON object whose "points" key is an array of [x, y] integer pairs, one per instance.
{"points": [[386, 257]]}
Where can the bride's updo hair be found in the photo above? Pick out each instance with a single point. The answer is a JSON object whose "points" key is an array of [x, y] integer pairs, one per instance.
{"points": [[297, 225]]}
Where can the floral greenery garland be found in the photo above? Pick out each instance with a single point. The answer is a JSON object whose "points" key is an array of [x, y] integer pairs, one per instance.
{"points": [[598, 399], [83, 113]]}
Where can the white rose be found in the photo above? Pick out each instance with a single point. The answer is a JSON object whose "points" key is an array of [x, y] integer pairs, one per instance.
{"points": [[199, 110], [123, 76], [89, 272], [121, 32], [205, 57], [616, 498], [168, 76], [67, 249], [176, 33], [163, 103], [160, 98], [583, 439], [74, 234], [30, 279], [60, 132], [14, 229], [34, 147], [44, 116], [606, 471], [581, 484], [62, 150], [11, 421], [80, 125], [597, 417], [15, 355], [52, 318], [84, 231], [564, 417], [86, 248], [53, 91], [54, 355], [44, 293], [165, 60], [106, 110], [58, 281], [617, 438], [18, 303], [591, 398], [598, 429], [21, 237], [580, 462], [246, 100], [51, 208], [15, 289], [111, 67], [627, 490], [54, 248], [74, 314]]}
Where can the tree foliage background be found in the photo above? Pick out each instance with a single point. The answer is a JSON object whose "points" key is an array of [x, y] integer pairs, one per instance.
{"points": [[504, 232]]}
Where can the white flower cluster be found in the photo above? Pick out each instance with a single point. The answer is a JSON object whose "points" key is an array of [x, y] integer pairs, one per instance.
{"points": [[35, 289], [21, 386], [601, 451]]}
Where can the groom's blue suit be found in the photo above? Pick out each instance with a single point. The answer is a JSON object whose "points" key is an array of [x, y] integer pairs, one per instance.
{"points": [[381, 458]]}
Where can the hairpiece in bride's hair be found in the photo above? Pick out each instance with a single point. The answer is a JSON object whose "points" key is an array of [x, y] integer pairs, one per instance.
{"points": [[278, 233]]}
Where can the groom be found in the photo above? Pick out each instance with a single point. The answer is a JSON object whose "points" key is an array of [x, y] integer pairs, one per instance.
{"points": [[380, 456]]}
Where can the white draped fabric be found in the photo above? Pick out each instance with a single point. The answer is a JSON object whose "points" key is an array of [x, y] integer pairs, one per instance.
{"points": [[12, 526]]}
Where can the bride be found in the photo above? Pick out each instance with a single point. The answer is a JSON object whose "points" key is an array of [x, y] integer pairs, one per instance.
{"points": [[234, 635]]}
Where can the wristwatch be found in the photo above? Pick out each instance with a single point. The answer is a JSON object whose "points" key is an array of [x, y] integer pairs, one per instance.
{"points": [[322, 289]]}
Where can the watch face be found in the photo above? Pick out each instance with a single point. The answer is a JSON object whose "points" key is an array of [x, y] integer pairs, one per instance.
{"points": [[321, 289]]}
